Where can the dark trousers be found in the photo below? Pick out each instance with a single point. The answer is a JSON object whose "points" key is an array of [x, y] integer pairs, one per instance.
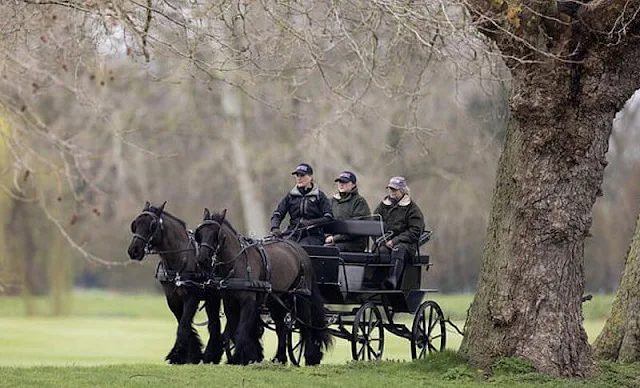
{"points": [[400, 254], [401, 251]]}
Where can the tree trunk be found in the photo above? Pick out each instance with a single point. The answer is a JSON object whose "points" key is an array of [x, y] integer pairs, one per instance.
{"points": [[255, 219], [528, 301], [620, 337]]}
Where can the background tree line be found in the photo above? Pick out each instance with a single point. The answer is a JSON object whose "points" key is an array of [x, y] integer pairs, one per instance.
{"points": [[95, 123]]}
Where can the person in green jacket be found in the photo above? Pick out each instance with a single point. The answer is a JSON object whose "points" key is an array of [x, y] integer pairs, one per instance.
{"points": [[348, 204], [403, 217]]}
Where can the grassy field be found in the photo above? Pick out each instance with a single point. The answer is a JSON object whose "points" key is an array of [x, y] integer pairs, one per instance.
{"points": [[122, 340], [106, 328]]}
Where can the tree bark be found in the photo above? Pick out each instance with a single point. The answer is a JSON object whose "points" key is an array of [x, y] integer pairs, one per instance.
{"points": [[528, 301], [255, 218], [619, 340]]}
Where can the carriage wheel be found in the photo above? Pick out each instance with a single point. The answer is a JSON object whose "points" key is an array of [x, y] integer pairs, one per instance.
{"points": [[367, 342], [429, 331], [295, 346]]}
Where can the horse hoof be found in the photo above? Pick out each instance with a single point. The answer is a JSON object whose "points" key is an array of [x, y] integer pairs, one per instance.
{"points": [[280, 360], [212, 357], [175, 358]]}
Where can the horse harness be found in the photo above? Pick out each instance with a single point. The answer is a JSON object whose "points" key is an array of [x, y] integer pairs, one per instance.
{"points": [[163, 274], [252, 284], [245, 245]]}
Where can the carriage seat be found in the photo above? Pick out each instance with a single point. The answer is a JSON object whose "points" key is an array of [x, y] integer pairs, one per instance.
{"points": [[370, 228], [322, 251], [332, 252], [375, 258]]}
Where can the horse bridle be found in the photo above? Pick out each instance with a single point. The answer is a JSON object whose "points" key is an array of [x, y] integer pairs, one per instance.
{"points": [[214, 250], [158, 229]]}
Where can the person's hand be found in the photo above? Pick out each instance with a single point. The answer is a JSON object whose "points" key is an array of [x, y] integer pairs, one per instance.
{"points": [[389, 244], [275, 232], [328, 240]]}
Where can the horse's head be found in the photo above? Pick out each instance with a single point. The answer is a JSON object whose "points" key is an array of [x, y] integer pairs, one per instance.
{"points": [[147, 231], [207, 234]]}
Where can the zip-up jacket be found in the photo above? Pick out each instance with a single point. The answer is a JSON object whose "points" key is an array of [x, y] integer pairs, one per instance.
{"points": [[304, 210]]}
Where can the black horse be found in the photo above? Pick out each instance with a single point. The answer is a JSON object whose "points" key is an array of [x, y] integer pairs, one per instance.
{"points": [[283, 264], [157, 231]]}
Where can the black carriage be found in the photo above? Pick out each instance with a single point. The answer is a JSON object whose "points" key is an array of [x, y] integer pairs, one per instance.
{"points": [[359, 309]]}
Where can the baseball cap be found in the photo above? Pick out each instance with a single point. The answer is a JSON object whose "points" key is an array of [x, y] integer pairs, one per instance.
{"points": [[304, 169], [346, 176], [398, 183]]}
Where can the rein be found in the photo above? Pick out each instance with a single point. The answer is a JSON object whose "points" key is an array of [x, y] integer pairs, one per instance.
{"points": [[243, 245]]}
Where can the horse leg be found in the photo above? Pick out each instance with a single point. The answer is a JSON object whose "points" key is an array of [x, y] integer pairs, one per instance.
{"points": [[175, 303], [247, 340], [316, 335], [188, 348], [232, 313], [278, 314], [214, 350]]}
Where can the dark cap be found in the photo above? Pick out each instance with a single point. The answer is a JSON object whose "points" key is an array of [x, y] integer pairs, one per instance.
{"points": [[346, 176], [304, 169]]}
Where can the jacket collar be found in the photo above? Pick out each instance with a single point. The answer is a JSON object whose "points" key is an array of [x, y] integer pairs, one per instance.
{"points": [[314, 191], [404, 201], [351, 193]]}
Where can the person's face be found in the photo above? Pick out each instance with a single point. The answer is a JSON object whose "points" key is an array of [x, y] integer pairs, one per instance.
{"points": [[303, 180], [394, 193], [345, 187]]}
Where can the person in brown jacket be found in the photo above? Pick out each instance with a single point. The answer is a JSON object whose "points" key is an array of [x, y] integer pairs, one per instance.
{"points": [[403, 217]]}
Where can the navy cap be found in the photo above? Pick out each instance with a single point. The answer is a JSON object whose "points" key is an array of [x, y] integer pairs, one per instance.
{"points": [[304, 169], [346, 176]]}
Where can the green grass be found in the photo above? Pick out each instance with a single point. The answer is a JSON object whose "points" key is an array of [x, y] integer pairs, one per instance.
{"points": [[110, 328], [442, 370], [115, 340]]}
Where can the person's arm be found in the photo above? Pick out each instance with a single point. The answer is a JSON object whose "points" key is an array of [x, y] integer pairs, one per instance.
{"points": [[415, 227], [279, 213], [325, 208], [360, 210]]}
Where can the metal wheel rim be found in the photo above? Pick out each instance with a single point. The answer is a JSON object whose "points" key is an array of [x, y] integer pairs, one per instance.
{"points": [[367, 322], [428, 329]]}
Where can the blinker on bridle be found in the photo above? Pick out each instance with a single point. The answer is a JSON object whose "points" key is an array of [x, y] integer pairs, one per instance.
{"points": [[214, 250], [148, 241]]}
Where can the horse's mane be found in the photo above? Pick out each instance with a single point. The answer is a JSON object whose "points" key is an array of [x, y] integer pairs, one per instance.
{"points": [[164, 212], [217, 217]]}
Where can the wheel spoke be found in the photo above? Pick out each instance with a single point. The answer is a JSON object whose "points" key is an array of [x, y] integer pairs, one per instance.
{"points": [[432, 321], [298, 350], [361, 353], [423, 352], [372, 323], [372, 352], [432, 325]]}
